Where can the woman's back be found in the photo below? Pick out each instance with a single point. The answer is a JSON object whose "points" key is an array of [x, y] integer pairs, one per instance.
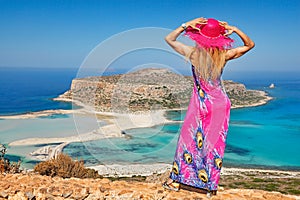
{"points": [[208, 64]]}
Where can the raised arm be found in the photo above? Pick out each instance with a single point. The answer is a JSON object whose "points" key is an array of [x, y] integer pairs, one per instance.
{"points": [[238, 51], [181, 48]]}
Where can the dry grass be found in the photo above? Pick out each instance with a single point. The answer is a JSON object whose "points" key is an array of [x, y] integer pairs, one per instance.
{"points": [[263, 181], [64, 166]]}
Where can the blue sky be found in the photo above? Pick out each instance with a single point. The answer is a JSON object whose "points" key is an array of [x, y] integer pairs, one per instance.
{"points": [[54, 33]]}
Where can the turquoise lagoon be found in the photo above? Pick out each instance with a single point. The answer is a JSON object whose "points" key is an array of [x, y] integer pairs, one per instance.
{"points": [[265, 136]]}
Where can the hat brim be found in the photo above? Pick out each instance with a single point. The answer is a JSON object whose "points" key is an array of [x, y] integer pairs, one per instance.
{"points": [[221, 42]]}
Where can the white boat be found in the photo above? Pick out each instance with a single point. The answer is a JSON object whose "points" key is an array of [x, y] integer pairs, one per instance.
{"points": [[272, 85]]}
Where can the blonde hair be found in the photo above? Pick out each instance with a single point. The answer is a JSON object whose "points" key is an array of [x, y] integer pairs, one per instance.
{"points": [[210, 62]]}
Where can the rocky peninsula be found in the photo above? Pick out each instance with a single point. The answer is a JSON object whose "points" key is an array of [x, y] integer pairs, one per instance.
{"points": [[149, 89]]}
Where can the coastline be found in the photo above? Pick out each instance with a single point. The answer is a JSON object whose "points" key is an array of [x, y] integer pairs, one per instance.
{"points": [[260, 103], [87, 109], [116, 125]]}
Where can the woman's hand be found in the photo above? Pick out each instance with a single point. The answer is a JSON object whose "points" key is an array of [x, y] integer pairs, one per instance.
{"points": [[196, 21], [230, 29]]}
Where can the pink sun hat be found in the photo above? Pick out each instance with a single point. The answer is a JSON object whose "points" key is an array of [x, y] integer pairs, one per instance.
{"points": [[210, 35]]}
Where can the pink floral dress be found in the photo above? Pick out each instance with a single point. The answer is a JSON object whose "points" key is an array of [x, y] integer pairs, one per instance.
{"points": [[201, 143]]}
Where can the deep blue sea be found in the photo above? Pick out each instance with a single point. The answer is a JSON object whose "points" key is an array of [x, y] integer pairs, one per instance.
{"points": [[24, 90], [265, 136]]}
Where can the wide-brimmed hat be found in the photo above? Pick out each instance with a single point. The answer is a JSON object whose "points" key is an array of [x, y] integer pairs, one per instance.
{"points": [[210, 35]]}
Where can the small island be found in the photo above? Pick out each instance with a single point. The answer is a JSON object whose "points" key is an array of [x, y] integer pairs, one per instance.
{"points": [[149, 89]]}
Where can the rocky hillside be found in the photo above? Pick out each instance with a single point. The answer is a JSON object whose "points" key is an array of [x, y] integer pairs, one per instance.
{"points": [[32, 186], [148, 89]]}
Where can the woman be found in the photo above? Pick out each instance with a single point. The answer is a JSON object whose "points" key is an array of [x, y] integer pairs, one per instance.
{"points": [[201, 143]]}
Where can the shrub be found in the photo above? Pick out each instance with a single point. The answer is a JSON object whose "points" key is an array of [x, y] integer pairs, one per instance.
{"points": [[5, 165], [63, 165]]}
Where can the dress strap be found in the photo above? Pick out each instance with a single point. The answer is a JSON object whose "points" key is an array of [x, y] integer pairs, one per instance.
{"points": [[201, 93], [195, 77]]}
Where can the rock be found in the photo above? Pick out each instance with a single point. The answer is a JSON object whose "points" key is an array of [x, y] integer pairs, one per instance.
{"points": [[43, 190], [124, 192], [19, 195], [158, 178], [66, 194], [29, 195], [3, 194], [92, 197], [80, 193]]}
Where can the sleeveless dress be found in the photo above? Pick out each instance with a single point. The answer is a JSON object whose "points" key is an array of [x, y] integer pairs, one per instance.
{"points": [[201, 143]]}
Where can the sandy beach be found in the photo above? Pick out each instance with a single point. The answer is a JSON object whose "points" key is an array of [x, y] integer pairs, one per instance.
{"points": [[116, 124], [37, 114]]}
